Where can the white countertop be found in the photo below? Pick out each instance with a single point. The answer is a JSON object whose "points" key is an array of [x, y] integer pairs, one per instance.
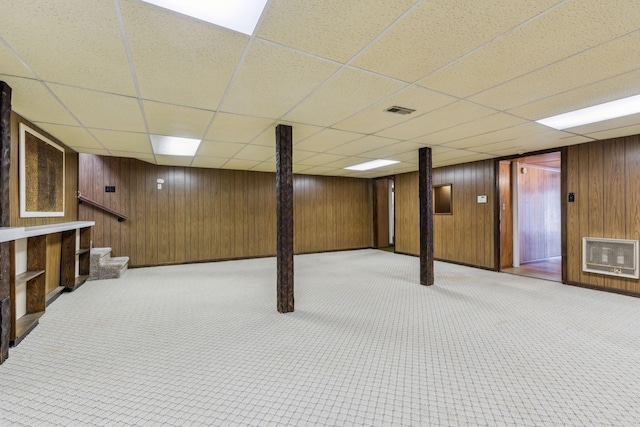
{"points": [[13, 233]]}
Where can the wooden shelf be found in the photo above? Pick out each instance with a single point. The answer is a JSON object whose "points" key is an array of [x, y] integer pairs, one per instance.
{"points": [[81, 279], [82, 251], [25, 324], [28, 275], [53, 295]]}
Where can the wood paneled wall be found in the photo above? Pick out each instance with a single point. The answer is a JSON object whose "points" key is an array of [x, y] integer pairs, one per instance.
{"points": [[605, 177], [539, 213], [71, 180], [407, 215], [381, 212], [467, 235], [212, 214]]}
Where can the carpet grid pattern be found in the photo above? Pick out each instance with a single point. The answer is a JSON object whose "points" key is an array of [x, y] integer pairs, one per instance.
{"points": [[203, 344]]}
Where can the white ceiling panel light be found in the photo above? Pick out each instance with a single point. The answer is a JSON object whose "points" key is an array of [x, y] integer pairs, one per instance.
{"points": [[174, 146], [597, 113], [237, 15], [372, 165]]}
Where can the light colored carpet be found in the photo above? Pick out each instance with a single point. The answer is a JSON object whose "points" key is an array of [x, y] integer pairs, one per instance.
{"points": [[203, 344]]}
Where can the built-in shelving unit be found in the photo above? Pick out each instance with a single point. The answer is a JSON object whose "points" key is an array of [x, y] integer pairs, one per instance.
{"points": [[29, 258], [76, 249]]}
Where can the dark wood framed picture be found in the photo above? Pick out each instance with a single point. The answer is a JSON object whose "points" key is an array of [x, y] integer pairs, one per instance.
{"points": [[41, 175]]}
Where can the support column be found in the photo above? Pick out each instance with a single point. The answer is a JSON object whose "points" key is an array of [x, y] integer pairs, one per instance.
{"points": [[284, 193], [5, 163], [425, 188]]}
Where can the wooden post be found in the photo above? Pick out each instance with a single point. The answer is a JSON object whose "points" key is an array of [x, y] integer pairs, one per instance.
{"points": [[284, 192], [425, 188], [5, 163]]}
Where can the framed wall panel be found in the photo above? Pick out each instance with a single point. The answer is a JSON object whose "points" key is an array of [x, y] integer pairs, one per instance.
{"points": [[41, 175]]}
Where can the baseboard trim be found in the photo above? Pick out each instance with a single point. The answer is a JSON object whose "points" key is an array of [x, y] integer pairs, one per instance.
{"points": [[481, 267], [604, 289], [240, 258]]}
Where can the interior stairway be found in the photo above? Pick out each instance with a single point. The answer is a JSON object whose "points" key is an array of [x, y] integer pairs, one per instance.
{"points": [[105, 267]]}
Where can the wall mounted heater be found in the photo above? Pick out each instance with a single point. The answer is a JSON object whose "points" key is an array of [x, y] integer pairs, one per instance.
{"points": [[614, 257]]}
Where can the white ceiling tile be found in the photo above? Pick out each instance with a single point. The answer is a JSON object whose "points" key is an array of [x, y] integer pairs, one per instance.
{"points": [[265, 167], [443, 118], [362, 145], [481, 126], [615, 133], [299, 132], [325, 140], [392, 150], [239, 164], [258, 153], [132, 155], [72, 136], [77, 43], [272, 80], [320, 159], [333, 29], [123, 141], [377, 118], [218, 149], [300, 168], [507, 134], [31, 100], [173, 160], [173, 120], [299, 155], [235, 128], [605, 125], [438, 32], [607, 90], [208, 162], [551, 37], [319, 170], [11, 66], [349, 91], [102, 110], [180, 60], [573, 72]]}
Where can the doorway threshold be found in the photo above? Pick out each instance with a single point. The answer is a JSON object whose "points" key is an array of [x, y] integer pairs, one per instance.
{"points": [[547, 269]]}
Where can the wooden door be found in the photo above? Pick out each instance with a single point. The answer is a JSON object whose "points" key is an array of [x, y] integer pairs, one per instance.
{"points": [[506, 215]]}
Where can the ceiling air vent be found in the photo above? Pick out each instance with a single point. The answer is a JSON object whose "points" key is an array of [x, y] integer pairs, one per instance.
{"points": [[400, 110]]}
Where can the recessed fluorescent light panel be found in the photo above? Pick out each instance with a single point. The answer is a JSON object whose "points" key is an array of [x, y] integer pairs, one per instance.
{"points": [[372, 165], [597, 113], [174, 146], [237, 15]]}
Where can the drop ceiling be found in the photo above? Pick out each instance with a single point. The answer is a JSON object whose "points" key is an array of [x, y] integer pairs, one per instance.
{"points": [[103, 75]]}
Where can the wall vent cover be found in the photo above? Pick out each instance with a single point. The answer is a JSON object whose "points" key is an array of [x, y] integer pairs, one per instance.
{"points": [[615, 257], [400, 110]]}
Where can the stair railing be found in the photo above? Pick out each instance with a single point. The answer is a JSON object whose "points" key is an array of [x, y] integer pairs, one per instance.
{"points": [[83, 199]]}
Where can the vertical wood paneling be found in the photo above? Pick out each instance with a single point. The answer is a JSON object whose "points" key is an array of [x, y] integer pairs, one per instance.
{"points": [[465, 236], [604, 175], [407, 214], [632, 193], [574, 247], [209, 214], [614, 198], [506, 215], [596, 197]]}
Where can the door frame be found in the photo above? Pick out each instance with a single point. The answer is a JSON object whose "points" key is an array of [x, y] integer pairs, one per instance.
{"points": [[563, 206]]}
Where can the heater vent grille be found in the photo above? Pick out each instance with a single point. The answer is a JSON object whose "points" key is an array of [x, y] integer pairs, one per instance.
{"points": [[614, 257]]}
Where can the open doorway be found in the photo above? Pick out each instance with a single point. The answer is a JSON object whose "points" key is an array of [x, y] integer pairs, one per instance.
{"points": [[530, 216], [383, 214]]}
